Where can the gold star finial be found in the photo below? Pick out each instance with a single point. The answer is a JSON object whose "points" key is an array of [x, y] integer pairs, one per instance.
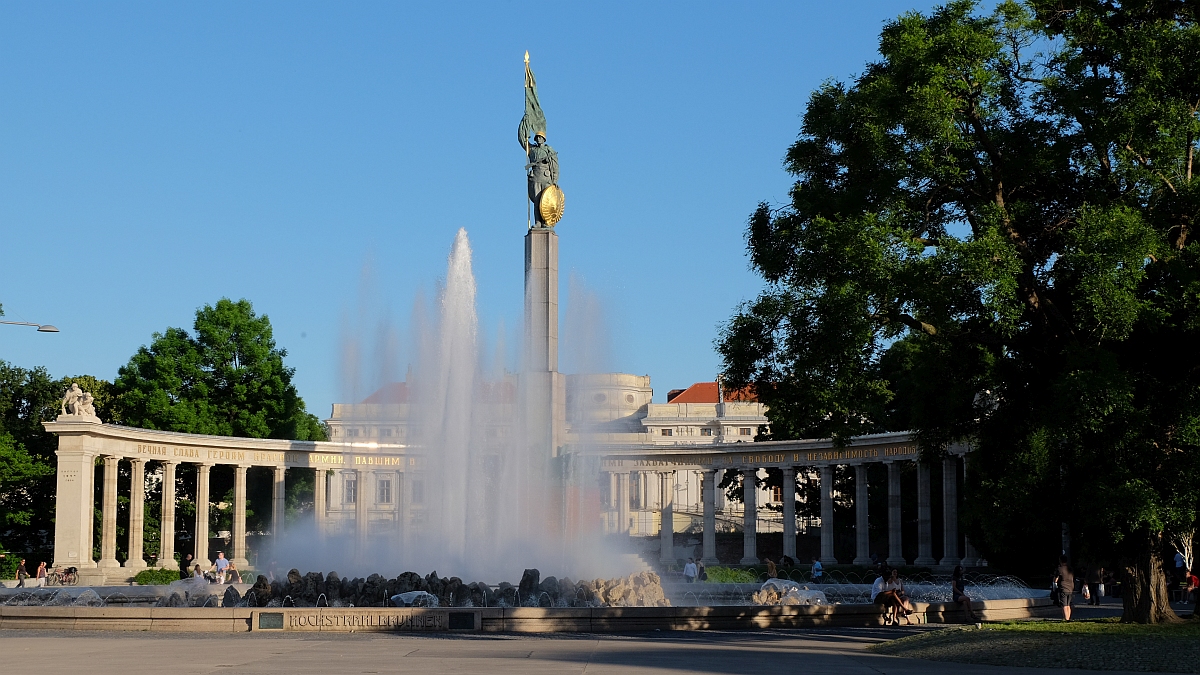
{"points": [[526, 57]]}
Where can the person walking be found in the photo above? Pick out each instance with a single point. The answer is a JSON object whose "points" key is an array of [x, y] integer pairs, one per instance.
{"points": [[818, 571], [22, 574], [690, 572], [1095, 577], [1064, 581], [185, 566], [959, 594], [41, 574]]}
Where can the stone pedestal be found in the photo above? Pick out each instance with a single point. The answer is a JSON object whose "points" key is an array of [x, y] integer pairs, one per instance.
{"points": [[74, 505]]}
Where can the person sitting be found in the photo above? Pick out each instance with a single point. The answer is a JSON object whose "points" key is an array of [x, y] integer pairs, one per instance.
{"points": [[232, 573], [771, 571], [197, 573], [896, 586], [1193, 583], [959, 595], [886, 598], [220, 565]]}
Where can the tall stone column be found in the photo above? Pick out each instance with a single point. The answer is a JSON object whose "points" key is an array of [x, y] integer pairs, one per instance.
{"points": [[862, 524], [789, 511], [827, 557], [74, 507], [360, 511], [108, 519], [970, 555], [666, 529], [924, 519], [401, 510], [623, 502], [319, 490], [239, 518], [200, 555], [166, 521], [749, 518], [137, 515], [895, 552], [279, 503], [950, 556], [709, 495]]}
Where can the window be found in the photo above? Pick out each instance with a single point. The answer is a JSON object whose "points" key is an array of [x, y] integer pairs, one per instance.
{"points": [[383, 491], [418, 492], [385, 433], [776, 493], [352, 432], [668, 432], [706, 431], [351, 491], [744, 431]]}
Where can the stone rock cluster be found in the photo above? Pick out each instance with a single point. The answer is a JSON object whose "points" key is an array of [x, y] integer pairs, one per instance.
{"points": [[643, 589]]}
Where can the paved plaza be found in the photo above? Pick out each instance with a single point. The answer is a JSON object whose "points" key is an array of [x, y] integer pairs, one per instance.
{"points": [[827, 651]]}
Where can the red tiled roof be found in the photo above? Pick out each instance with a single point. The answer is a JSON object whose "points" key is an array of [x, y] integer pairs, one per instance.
{"points": [[707, 392], [392, 392]]}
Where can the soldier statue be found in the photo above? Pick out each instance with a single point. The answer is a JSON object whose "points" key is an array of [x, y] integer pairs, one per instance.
{"points": [[542, 165]]}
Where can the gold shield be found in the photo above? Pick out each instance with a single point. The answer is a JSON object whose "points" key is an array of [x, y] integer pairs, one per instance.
{"points": [[550, 205]]}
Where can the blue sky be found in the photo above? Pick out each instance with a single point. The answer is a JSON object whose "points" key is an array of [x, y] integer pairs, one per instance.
{"points": [[318, 158]]}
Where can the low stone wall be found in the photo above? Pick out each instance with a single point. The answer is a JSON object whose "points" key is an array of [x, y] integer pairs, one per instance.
{"points": [[493, 619]]}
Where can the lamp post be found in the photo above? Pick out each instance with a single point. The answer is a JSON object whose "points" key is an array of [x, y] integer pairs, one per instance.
{"points": [[42, 328]]}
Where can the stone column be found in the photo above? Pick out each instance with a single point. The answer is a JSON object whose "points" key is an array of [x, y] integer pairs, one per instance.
{"points": [[239, 518], [613, 490], [401, 512], [950, 556], [360, 511], [319, 489], [200, 543], [137, 515], [970, 555], [666, 529], [623, 502], [862, 525], [895, 552], [166, 522], [74, 507], [108, 520], [709, 495], [643, 491], [279, 503], [924, 519], [827, 557], [749, 518], [789, 511]]}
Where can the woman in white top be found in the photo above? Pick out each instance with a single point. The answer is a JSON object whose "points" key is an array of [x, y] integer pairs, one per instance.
{"points": [[886, 598], [895, 585]]}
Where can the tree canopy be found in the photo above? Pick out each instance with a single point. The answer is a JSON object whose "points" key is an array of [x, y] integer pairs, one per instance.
{"points": [[227, 378], [990, 240]]}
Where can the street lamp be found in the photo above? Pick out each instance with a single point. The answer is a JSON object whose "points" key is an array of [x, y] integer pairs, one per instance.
{"points": [[42, 328]]}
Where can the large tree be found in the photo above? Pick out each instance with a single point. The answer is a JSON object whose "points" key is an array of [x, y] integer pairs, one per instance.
{"points": [[226, 379], [990, 239]]}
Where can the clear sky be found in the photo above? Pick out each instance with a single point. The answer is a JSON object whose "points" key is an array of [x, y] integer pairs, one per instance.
{"points": [[318, 158]]}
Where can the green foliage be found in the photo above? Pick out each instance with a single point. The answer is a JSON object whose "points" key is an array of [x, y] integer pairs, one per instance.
{"points": [[992, 238], [730, 575], [156, 577], [226, 379]]}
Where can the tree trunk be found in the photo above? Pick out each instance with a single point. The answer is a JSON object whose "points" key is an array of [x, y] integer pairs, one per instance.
{"points": [[1144, 589]]}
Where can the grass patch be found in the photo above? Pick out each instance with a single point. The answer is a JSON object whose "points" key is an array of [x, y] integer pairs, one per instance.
{"points": [[1102, 644]]}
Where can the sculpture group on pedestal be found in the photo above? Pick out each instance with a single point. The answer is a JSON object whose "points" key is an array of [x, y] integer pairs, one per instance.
{"points": [[78, 404]]}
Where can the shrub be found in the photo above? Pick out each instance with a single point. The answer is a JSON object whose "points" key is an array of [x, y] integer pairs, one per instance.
{"points": [[156, 577], [730, 575]]}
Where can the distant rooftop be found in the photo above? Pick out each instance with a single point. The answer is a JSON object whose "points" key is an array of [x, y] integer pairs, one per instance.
{"points": [[490, 392], [708, 392]]}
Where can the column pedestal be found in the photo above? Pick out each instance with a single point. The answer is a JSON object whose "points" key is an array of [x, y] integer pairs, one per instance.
{"points": [[895, 552], [750, 518], [924, 519], [827, 557], [166, 520], [74, 508], [862, 524], [709, 551], [137, 515], [789, 511], [108, 520]]}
